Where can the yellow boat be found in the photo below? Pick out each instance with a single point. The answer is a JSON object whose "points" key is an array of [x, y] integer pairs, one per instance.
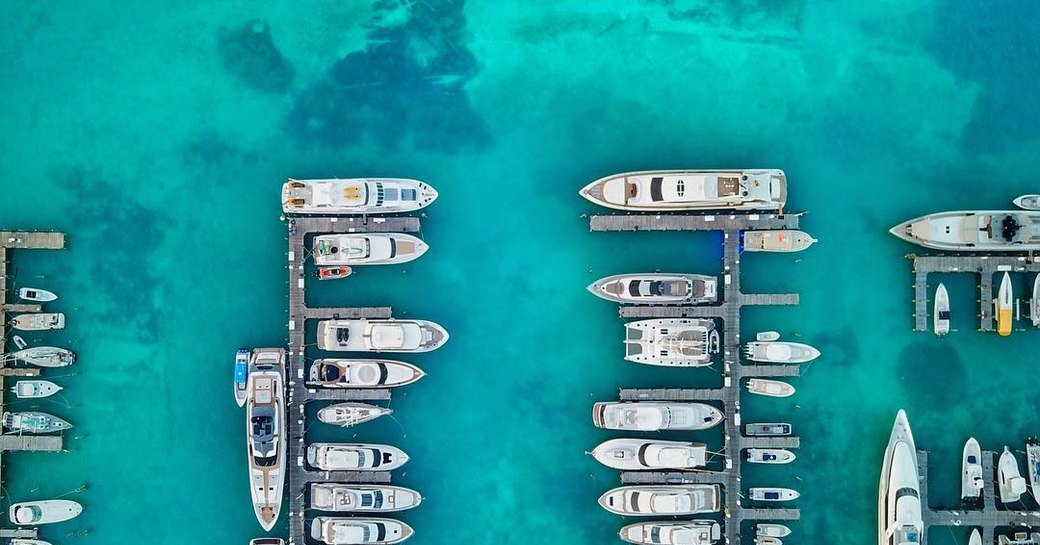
{"points": [[1004, 305]]}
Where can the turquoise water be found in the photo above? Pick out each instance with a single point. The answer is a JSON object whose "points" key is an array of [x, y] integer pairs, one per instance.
{"points": [[158, 136]]}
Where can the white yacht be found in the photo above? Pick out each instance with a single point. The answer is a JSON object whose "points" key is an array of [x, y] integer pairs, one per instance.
{"points": [[900, 521], [337, 197], [357, 498], [971, 472], [1034, 303], [975, 538], [690, 532], [1033, 466], [359, 531], [355, 457], [941, 311], [769, 456], [769, 388], [771, 530], [34, 389], [773, 494], [678, 190], [1005, 306], [780, 352], [672, 342], [1028, 202], [655, 416], [266, 433], [657, 289], [781, 240], [341, 373], [45, 356], [34, 422], [33, 513], [1010, 483], [974, 231], [639, 454], [380, 335], [680, 500], [36, 294], [39, 321], [367, 249], [351, 413]]}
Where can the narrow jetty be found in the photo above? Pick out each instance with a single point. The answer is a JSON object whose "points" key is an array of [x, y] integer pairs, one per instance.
{"points": [[298, 393], [734, 371], [985, 266]]}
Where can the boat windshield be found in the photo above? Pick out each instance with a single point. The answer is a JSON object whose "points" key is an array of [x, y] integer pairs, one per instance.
{"points": [[372, 499]]}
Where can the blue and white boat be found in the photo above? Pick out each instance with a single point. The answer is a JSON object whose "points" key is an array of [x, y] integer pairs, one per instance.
{"points": [[241, 376]]}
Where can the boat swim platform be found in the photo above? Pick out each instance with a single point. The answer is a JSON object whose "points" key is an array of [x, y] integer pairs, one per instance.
{"points": [[299, 392], [987, 518], [983, 265]]}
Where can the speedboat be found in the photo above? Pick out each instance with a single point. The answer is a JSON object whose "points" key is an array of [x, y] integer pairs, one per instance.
{"points": [[657, 289], [1005, 306], [1033, 465], [32, 513], [1010, 483], [780, 352], [780, 240], [350, 413], [1034, 303], [380, 335], [770, 388], [1027, 202], [241, 374], [769, 456], [45, 356], [39, 321], [336, 197], [974, 231], [267, 541], [941, 311], [34, 389], [367, 249], [672, 342], [655, 416], [767, 529], [772, 494], [677, 190], [266, 433], [359, 531], [339, 373], [355, 457], [34, 422], [334, 273], [690, 499], [639, 454], [337, 497], [767, 429], [971, 472], [690, 532], [899, 494], [36, 294]]}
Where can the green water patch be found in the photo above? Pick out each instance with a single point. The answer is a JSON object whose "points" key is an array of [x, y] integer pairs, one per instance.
{"points": [[248, 53]]}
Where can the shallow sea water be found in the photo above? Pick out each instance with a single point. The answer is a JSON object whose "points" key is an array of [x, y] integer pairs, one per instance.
{"points": [[158, 136]]}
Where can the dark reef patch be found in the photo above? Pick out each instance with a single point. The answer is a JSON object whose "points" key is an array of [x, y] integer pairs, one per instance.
{"points": [[838, 348], [248, 53], [406, 86], [932, 374]]}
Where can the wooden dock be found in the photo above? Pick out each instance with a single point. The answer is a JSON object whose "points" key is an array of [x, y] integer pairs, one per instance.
{"points": [[299, 393], [985, 266], [734, 370]]}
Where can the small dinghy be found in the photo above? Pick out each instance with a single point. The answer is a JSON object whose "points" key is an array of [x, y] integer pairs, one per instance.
{"points": [[45, 356], [39, 321], [1010, 483], [768, 429], [1030, 201], [241, 376], [19, 342], [769, 456], [36, 294], [767, 336], [941, 312], [770, 388], [351, 414], [34, 422], [767, 529], [33, 513], [34, 389], [332, 273], [772, 494], [359, 531]]}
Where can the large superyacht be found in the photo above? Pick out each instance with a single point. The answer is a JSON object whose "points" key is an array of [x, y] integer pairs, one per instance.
{"points": [[974, 231], [900, 521], [265, 432], [675, 190], [355, 196]]}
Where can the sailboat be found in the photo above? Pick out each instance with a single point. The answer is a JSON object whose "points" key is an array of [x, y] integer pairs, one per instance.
{"points": [[1005, 306]]}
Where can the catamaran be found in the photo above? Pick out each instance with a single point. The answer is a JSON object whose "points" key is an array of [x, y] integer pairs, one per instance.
{"points": [[675, 190], [336, 197], [45, 356], [39, 321], [355, 457], [672, 342], [900, 520], [266, 433]]}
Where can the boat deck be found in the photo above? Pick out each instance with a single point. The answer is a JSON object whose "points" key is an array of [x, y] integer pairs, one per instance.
{"points": [[733, 371], [985, 266], [298, 392]]}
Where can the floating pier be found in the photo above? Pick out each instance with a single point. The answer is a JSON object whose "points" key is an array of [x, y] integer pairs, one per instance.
{"points": [[298, 392], [734, 370], [983, 265]]}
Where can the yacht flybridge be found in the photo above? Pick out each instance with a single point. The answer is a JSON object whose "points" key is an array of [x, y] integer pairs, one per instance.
{"points": [[900, 520], [655, 416], [675, 190], [266, 432], [974, 231], [657, 289], [380, 335], [334, 197], [367, 249]]}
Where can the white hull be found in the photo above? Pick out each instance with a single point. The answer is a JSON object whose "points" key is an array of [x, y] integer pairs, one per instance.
{"points": [[350, 414], [941, 311], [640, 454], [783, 241], [657, 289], [45, 356], [900, 518], [37, 295], [679, 500], [971, 471], [40, 321], [334, 197], [974, 231], [355, 498], [349, 531], [769, 456], [693, 532], [33, 513], [655, 416], [266, 428], [1028, 202], [34, 389], [677, 190], [380, 335], [355, 249], [343, 373], [355, 457], [773, 494], [780, 352], [770, 388]]}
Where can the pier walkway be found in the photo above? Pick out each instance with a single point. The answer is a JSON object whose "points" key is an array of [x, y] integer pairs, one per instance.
{"points": [[299, 393], [734, 370], [985, 266]]}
